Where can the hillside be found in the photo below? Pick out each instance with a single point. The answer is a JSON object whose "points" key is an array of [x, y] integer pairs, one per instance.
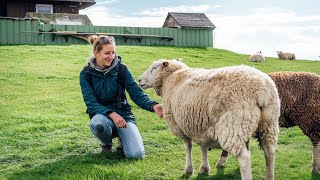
{"points": [[44, 130]]}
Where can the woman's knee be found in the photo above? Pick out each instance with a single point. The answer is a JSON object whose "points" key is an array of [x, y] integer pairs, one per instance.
{"points": [[99, 124]]}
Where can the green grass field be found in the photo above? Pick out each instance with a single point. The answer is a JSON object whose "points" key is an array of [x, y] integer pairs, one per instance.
{"points": [[44, 130]]}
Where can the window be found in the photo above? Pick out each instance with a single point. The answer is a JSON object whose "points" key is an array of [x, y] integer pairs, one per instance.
{"points": [[44, 8]]}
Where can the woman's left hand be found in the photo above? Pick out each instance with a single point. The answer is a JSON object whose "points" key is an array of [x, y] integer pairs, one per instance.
{"points": [[158, 109], [118, 120]]}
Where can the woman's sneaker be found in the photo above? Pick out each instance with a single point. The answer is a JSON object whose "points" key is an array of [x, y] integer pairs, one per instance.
{"points": [[120, 147], [105, 148], [120, 150]]}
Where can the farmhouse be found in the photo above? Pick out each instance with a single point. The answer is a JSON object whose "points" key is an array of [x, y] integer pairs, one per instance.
{"points": [[19, 8], [188, 21], [48, 11]]}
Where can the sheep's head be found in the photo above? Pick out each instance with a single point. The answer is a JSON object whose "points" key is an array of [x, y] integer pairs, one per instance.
{"points": [[147, 79], [279, 52], [154, 75]]}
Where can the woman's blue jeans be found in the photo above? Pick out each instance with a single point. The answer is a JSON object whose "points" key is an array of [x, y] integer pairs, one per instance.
{"points": [[104, 129]]}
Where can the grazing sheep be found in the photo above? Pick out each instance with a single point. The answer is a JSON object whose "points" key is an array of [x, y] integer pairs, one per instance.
{"points": [[300, 106], [286, 55], [218, 108], [257, 57]]}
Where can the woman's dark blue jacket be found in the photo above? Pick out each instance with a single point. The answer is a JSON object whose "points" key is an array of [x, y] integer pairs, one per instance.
{"points": [[101, 97]]}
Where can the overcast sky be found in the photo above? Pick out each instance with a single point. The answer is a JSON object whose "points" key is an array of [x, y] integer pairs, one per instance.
{"points": [[243, 26]]}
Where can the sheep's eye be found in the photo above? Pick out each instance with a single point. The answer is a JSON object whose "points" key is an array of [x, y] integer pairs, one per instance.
{"points": [[153, 68]]}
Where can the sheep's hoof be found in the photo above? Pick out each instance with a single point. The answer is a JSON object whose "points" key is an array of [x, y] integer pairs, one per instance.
{"points": [[188, 170], [221, 162], [204, 170]]}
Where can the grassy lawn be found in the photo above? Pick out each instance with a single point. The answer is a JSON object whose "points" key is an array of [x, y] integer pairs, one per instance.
{"points": [[44, 130]]}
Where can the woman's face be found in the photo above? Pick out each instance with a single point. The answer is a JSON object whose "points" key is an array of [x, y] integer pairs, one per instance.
{"points": [[105, 56]]}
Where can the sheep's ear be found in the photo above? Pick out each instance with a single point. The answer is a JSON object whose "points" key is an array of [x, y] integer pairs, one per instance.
{"points": [[165, 64]]}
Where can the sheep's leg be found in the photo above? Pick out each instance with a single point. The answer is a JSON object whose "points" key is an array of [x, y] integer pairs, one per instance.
{"points": [[205, 167], [224, 156], [223, 159], [188, 148], [269, 154], [245, 164], [316, 158], [267, 135]]}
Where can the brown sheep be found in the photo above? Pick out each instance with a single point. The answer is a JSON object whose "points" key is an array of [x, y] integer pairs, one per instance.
{"points": [[300, 106]]}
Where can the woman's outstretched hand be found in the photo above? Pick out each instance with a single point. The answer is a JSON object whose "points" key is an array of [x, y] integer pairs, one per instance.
{"points": [[158, 109], [118, 120]]}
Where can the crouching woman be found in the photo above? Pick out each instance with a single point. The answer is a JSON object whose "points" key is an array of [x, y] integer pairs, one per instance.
{"points": [[103, 83]]}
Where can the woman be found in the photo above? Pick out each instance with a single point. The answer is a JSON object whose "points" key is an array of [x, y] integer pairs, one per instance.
{"points": [[109, 111]]}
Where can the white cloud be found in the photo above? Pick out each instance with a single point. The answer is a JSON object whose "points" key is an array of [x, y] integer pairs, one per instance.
{"points": [[102, 16], [269, 30], [107, 2], [217, 6]]}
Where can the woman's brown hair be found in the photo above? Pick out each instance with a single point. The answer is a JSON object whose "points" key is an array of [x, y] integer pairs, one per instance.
{"points": [[98, 41]]}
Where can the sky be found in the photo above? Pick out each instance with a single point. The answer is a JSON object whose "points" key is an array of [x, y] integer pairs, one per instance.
{"points": [[243, 26]]}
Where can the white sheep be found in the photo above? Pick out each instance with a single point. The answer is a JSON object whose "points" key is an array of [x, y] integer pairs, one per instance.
{"points": [[218, 108], [257, 57], [286, 55]]}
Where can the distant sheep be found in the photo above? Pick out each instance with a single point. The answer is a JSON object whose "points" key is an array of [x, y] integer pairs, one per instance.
{"points": [[300, 106], [218, 108], [257, 57], [286, 55]]}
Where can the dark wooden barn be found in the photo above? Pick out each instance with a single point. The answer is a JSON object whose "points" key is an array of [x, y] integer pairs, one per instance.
{"points": [[19, 8], [188, 21]]}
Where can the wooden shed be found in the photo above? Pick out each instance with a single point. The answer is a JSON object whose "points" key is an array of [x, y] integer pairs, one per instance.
{"points": [[19, 8], [188, 21]]}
